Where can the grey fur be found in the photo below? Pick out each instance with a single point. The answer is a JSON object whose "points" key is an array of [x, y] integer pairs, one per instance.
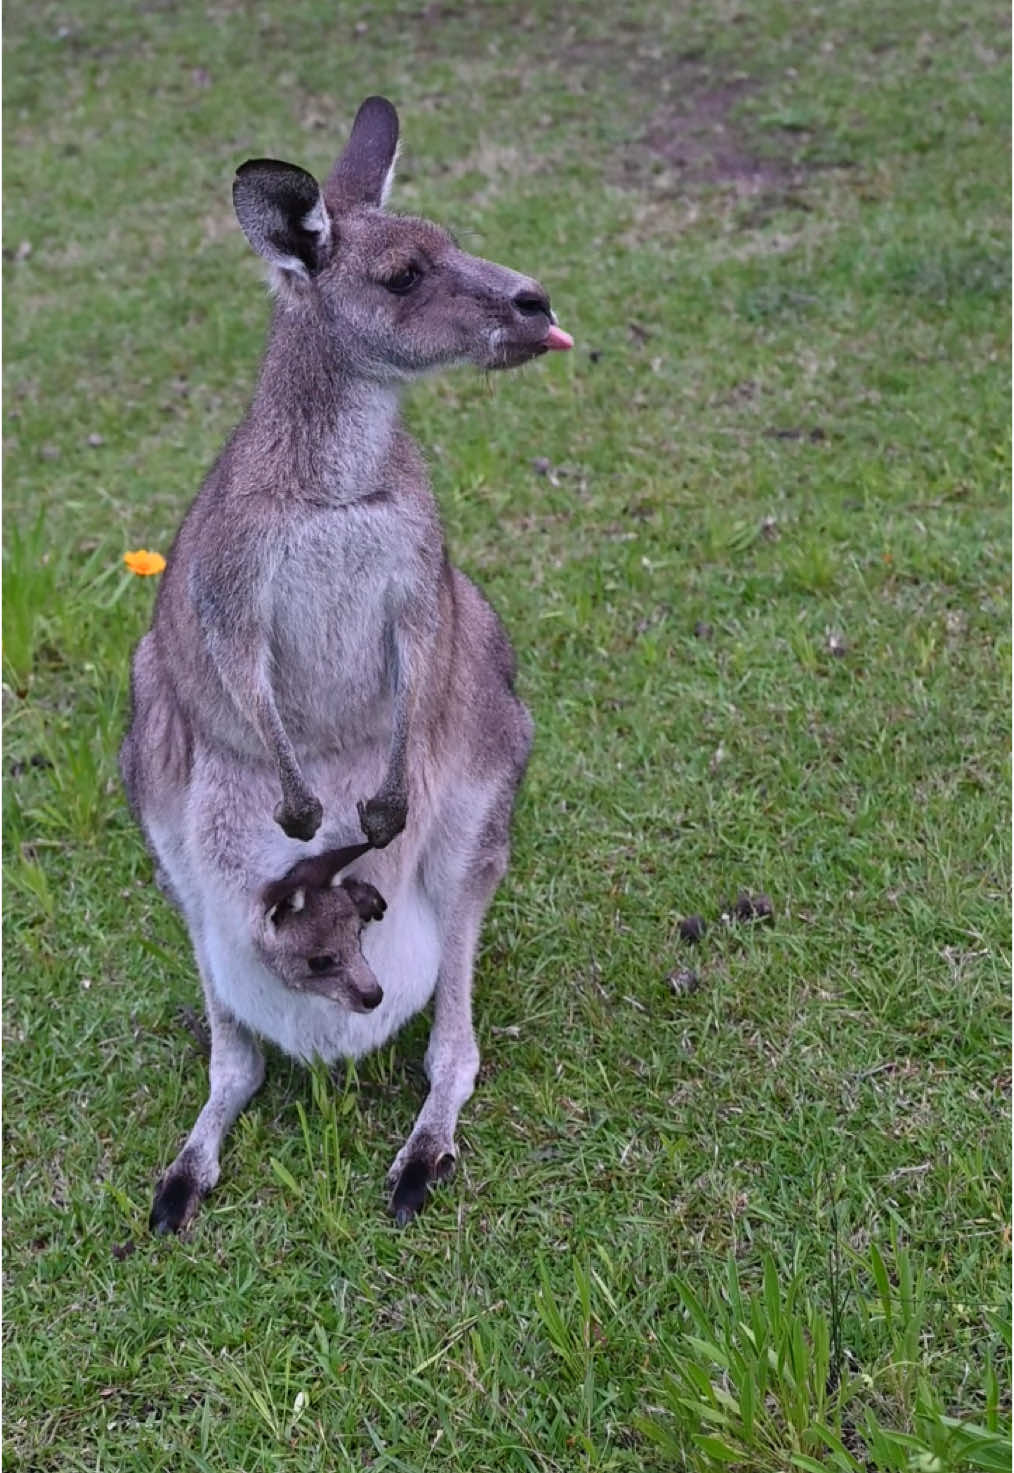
{"points": [[310, 636]]}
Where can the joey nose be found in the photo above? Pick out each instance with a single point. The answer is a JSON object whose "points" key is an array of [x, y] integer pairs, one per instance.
{"points": [[371, 997], [531, 301]]}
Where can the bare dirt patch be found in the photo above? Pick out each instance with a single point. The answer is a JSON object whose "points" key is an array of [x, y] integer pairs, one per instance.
{"points": [[698, 136], [694, 140], [684, 134], [687, 135]]}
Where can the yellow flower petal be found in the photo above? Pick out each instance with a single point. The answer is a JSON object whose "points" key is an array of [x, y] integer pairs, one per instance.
{"points": [[144, 563]]}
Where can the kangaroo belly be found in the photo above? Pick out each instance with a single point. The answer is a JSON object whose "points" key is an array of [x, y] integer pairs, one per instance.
{"points": [[403, 951]]}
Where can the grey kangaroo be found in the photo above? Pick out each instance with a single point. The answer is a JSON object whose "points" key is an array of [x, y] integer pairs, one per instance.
{"points": [[317, 671]]}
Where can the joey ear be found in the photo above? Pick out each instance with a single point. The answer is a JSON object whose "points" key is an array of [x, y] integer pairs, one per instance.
{"points": [[283, 215], [288, 904], [285, 895], [369, 902], [307, 876], [365, 171]]}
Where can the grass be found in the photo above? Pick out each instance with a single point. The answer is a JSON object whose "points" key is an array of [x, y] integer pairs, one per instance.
{"points": [[760, 1223]]}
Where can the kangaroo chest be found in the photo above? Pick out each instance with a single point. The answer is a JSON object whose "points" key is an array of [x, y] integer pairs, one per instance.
{"points": [[333, 597]]}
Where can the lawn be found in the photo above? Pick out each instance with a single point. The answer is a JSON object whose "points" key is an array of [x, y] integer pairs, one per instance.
{"points": [[740, 1203]]}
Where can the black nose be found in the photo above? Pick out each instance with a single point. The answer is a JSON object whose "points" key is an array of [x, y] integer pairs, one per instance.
{"points": [[320, 963], [529, 303]]}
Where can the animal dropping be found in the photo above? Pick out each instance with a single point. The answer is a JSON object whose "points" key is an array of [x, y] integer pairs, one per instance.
{"points": [[692, 929], [683, 981], [325, 743], [749, 907]]}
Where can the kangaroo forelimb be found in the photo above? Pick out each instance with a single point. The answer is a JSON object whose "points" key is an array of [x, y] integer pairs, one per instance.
{"points": [[383, 816], [299, 813], [239, 651]]}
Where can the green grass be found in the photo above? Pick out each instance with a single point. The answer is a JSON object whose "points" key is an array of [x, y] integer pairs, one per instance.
{"points": [[760, 1224]]}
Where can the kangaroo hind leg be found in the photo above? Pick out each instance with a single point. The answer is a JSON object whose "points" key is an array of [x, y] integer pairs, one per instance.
{"points": [[236, 1074], [452, 1056]]}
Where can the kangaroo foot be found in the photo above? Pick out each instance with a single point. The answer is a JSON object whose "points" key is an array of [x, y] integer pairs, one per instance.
{"points": [[420, 1163], [177, 1197]]}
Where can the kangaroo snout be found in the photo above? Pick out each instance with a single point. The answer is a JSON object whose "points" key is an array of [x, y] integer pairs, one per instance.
{"points": [[513, 320], [530, 301]]}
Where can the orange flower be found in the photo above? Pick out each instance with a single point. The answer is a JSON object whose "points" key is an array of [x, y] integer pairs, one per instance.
{"points": [[144, 563]]}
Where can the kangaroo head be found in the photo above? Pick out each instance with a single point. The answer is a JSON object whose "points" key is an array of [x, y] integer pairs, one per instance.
{"points": [[311, 926], [396, 295]]}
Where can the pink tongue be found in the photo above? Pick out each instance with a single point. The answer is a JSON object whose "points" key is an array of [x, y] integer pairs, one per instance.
{"points": [[557, 338]]}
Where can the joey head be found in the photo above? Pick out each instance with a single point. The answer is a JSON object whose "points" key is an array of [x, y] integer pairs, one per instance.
{"points": [[311, 927]]}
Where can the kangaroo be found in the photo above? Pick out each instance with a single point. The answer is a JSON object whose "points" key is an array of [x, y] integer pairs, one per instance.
{"points": [[317, 671]]}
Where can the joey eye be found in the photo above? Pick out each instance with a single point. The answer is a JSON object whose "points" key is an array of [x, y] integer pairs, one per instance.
{"points": [[403, 281]]}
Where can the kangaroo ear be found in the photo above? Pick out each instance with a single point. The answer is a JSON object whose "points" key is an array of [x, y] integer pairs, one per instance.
{"points": [[364, 173], [283, 215], [368, 901]]}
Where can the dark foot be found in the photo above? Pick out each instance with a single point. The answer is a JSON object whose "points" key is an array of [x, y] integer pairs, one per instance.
{"points": [[382, 819], [177, 1198], [412, 1184], [302, 822]]}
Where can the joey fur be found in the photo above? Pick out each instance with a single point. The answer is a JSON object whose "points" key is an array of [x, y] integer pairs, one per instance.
{"points": [[317, 670]]}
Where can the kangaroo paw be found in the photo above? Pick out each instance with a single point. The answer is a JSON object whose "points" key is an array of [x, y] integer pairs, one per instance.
{"points": [[382, 819], [300, 821]]}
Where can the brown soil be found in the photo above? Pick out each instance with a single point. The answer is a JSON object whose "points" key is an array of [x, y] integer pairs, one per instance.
{"points": [[697, 135]]}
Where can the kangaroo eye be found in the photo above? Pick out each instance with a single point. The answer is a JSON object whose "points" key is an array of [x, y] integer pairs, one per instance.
{"points": [[403, 281]]}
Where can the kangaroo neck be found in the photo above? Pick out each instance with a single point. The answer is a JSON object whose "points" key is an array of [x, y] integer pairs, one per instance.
{"points": [[327, 428]]}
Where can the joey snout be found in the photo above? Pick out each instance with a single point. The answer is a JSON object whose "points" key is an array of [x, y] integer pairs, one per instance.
{"points": [[351, 983], [354, 986]]}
